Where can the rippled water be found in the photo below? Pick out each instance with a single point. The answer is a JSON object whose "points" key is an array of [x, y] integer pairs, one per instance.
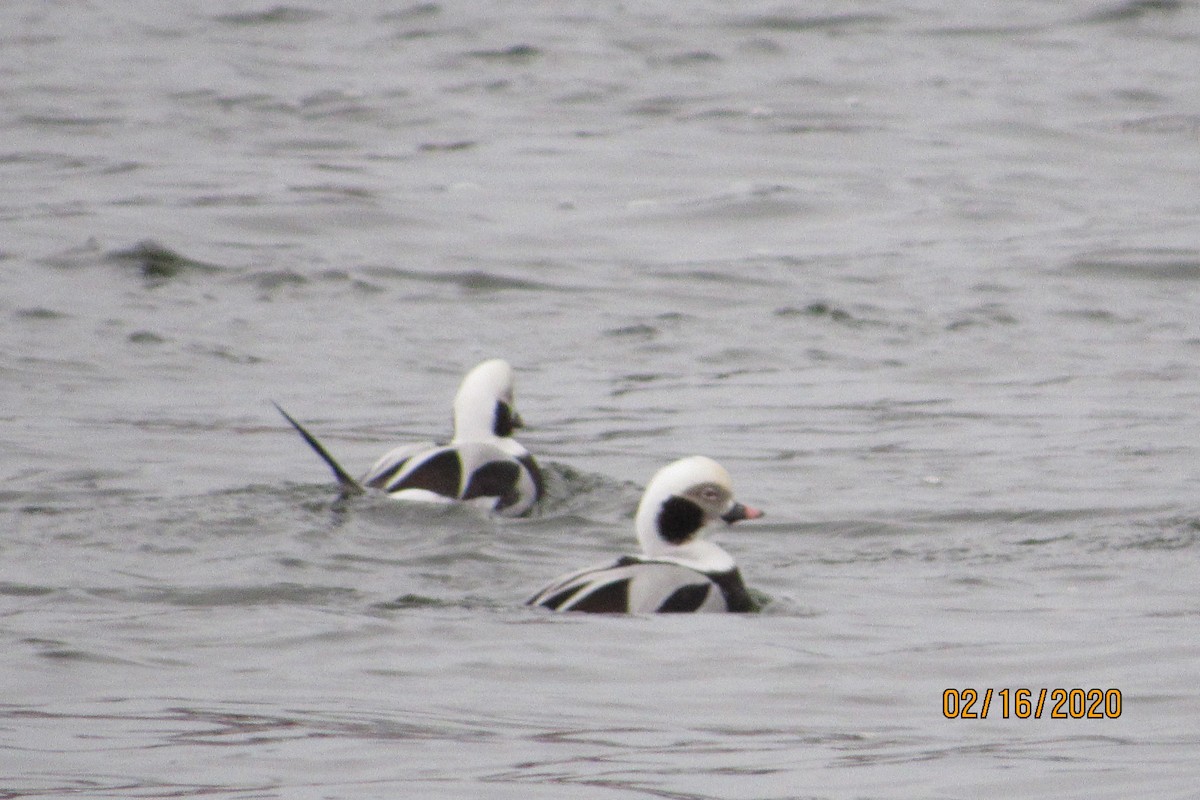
{"points": [[923, 276]]}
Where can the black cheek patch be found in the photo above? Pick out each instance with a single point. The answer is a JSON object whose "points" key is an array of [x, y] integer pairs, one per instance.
{"points": [[441, 474], [502, 421], [686, 599], [679, 520]]}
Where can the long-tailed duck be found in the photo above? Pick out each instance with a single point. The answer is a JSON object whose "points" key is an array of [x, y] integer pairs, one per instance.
{"points": [[482, 465], [678, 570]]}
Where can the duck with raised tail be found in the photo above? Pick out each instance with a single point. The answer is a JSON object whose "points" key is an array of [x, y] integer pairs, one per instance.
{"points": [[482, 465], [678, 569]]}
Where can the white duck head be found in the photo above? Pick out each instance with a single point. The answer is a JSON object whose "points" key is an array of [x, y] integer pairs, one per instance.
{"points": [[483, 407], [679, 501]]}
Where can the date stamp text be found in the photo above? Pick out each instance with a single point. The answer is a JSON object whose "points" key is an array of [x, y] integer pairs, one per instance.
{"points": [[1032, 703]]}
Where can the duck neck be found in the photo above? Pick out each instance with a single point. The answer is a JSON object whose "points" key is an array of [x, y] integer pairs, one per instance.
{"points": [[696, 553]]}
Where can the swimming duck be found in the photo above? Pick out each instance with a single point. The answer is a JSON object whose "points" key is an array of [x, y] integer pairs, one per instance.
{"points": [[678, 569], [482, 465]]}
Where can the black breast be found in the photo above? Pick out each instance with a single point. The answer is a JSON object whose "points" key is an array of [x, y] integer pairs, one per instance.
{"points": [[737, 597]]}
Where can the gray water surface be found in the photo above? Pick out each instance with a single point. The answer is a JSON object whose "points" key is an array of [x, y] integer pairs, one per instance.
{"points": [[923, 276]]}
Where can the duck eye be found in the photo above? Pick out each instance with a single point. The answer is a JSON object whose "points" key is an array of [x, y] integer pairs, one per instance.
{"points": [[710, 493]]}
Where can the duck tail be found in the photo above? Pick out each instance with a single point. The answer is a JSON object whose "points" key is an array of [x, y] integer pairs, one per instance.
{"points": [[346, 482]]}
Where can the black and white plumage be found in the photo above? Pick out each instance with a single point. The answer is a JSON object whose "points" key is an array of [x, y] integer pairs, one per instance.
{"points": [[481, 466], [678, 570]]}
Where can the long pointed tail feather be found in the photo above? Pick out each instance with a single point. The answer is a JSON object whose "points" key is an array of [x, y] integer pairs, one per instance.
{"points": [[346, 481]]}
